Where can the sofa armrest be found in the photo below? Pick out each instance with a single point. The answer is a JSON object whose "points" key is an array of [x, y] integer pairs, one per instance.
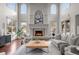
{"points": [[56, 42], [68, 50]]}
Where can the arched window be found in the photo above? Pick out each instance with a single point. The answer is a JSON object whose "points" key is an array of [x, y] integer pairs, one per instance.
{"points": [[64, 7], [53, 9], [23, 9], [11, 6]]}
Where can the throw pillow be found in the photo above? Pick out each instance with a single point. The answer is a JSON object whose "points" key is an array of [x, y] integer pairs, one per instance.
{"points": [[58, 36]]}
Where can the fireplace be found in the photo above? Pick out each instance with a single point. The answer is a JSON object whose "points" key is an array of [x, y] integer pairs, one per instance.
{"points": [[38, 29], [38, 33]]}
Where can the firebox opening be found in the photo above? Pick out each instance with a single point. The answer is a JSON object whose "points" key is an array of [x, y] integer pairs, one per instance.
{"points": [[38, 33]]}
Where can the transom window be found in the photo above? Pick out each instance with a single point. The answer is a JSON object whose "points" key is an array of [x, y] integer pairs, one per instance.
{"points": [[53, 9], [11, 6], [64, 7], [23, 9]]}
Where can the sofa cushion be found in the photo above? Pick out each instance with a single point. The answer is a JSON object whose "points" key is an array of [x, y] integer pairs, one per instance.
{"points": [[76, 41], [71, 39], [62, 46], [56, 42]]}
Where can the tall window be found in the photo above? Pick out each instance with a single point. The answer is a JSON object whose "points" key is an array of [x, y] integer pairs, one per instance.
{"points": [[11, 25], [11, 20], [23, 9], [53, 9], [11, 6], [64, 7]]}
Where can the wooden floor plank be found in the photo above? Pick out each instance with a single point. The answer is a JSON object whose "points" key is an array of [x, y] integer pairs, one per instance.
{"points": [[9, 48]]}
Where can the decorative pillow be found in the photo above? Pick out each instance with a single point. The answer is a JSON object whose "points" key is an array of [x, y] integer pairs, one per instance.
{"points": [[58, 36], [63, 37]]}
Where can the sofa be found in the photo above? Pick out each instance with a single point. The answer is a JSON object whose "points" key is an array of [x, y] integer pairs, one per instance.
{"points": [[62, 41], [4, 39]]}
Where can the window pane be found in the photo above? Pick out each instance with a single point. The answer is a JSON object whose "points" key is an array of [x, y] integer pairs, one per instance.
{"points": [[64, 7], [53, 9], [24, 27], [12, 6], [23, 8]]}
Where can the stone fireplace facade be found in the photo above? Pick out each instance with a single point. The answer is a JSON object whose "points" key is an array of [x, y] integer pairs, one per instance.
{"points": [[38, 29], [38, 20]]}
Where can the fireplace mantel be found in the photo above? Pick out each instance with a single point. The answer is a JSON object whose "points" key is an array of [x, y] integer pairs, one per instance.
{"points": [[38, 25]]}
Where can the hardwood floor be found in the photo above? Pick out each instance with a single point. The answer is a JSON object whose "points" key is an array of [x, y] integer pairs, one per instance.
{"points": [[10, 48]]}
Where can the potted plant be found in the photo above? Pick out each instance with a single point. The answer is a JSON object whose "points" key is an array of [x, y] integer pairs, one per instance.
{"points": [[19, 33]]}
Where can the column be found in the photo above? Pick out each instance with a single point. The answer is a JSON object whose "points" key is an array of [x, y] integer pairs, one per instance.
{"points": [[18, 16], [58, 18]]}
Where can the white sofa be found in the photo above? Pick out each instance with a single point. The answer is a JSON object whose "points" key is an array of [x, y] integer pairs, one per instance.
{"points": [[63, 40]]}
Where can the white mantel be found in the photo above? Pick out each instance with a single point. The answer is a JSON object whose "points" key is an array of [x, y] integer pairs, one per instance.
{"points": [[38, 25]]}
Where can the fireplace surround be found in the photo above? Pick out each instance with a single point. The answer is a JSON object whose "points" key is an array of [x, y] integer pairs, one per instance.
{"points": [[38, 29]]}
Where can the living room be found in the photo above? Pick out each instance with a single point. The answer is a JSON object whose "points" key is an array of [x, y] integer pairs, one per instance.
{"points": [[39, 28]]}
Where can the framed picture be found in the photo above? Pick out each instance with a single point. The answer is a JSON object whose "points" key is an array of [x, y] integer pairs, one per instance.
{"points": [[38, 17]]}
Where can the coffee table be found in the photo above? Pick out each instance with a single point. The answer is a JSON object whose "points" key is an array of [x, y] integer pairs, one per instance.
{"points": [[37, 45]]}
